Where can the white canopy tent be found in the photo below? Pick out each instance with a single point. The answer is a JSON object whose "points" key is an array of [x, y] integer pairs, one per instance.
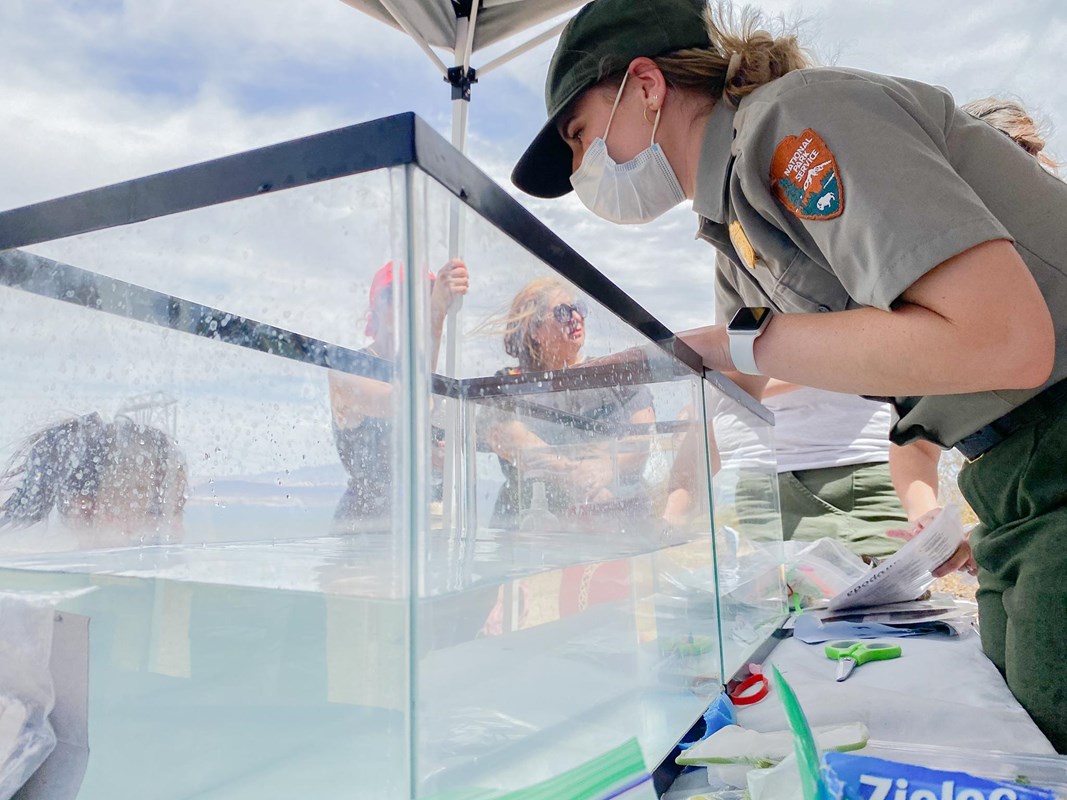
{"points": [[437, 22], [461, 28]]}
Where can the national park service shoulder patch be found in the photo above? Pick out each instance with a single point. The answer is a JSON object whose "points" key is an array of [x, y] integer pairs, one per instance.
{"points": [[805, 179]]}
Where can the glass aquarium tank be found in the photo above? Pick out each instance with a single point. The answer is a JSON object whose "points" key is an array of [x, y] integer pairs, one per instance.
{"points": [[348, 519]]}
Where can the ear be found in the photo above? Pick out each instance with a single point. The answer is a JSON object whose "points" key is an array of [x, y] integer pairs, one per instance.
{"points": [[650, 82]]}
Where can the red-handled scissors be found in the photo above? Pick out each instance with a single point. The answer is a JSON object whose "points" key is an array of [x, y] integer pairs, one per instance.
{"points": [[751, 690]]}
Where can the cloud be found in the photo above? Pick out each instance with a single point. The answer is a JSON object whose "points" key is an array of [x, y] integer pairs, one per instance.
{"points": [[975, 49], [98, 92], [102, 92]]}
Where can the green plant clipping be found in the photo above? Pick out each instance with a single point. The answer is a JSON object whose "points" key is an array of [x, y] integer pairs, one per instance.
{"points": [[807, 754]]}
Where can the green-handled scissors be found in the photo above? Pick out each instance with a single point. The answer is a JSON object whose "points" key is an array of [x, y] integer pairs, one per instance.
{"points": [[849, 654]]}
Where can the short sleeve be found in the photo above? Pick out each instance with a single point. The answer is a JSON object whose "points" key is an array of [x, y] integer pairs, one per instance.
{"points": [[727, 299], [858, 170]]}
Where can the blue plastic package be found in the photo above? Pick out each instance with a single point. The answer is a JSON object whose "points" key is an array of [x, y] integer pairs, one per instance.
{"points": [[720, 713], [856, 777]]}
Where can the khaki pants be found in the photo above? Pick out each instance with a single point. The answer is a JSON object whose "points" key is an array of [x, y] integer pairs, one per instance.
{"points": [[1019, 491], [854, 504]]}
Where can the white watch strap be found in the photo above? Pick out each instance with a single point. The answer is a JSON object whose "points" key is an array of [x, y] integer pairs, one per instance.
{"points": [[743, 352]]}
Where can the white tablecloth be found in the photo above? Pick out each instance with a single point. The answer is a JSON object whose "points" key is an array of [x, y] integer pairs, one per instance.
{"points": [[941, 691]]}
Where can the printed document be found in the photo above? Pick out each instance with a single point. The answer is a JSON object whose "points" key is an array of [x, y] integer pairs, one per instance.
{"points": [[906, 574]]}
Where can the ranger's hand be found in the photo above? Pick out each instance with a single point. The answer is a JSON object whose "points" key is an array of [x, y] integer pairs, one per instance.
{"points": [[713, 345]]}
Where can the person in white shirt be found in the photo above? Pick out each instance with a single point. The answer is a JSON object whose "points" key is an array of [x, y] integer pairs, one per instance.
{"points": [[838, 473]]}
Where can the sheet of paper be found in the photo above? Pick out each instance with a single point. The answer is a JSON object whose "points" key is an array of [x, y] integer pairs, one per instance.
{"points": [[940, 606], [936, 608], [906, 574]]}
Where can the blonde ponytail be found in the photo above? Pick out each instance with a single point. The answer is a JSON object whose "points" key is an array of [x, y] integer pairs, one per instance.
{"points": [[744, 55], [1012, 119]]}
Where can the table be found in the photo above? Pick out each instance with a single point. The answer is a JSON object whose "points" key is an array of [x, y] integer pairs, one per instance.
{"points": [[942, 691]]}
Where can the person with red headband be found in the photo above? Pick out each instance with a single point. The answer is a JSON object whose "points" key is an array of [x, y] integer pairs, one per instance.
{"points": [[363, 408]]}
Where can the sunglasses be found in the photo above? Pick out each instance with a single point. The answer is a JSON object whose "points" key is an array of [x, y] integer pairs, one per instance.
{"points": [[564, 312]]}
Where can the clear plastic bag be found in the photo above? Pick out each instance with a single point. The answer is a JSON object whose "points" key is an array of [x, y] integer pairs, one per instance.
{"points": [[26, 691], [906, 574], [1047, 771], [816, 571]]}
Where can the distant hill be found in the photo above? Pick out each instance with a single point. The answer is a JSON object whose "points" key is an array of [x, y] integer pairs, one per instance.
{"points": [[310, 485]]}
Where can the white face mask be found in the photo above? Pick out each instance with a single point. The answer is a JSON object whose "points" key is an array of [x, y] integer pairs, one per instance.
{"points": [[637, 191]]}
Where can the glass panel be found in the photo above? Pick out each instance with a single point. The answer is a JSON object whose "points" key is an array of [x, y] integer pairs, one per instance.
{"points": [[748, 528], [236, 508], [344, 540], [563, 614]]}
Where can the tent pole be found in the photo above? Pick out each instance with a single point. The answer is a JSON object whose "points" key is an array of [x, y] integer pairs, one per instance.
{"points": [[468, 40], [419, 40], [451, 501], [522, 48]]}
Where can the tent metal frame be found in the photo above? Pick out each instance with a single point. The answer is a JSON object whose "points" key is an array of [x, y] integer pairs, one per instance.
{"points": [[460, 77], [395, 141], [403, 140]]}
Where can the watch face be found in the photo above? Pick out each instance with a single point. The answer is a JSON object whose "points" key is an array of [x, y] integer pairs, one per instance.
{"points": [[749, 320]]}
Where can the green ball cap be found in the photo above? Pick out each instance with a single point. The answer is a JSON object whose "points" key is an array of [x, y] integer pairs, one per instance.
{"points": [[600, 41]]}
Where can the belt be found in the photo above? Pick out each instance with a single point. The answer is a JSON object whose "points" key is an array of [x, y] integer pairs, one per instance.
{"points": [[1034, 409]]}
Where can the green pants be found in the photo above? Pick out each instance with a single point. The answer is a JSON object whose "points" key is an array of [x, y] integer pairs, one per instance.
{"points": [[855, 505], [1019, 492]]}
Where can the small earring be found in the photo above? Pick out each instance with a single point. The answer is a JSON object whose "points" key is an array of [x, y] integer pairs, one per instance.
{"points": [[645, 112]]}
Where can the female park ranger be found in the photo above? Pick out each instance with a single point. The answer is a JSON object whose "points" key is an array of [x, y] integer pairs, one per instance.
{"points": [[875, 240]]}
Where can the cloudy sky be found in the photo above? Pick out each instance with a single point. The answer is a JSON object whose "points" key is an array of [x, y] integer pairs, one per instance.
{"points": [[100, 91], [97, 91]]}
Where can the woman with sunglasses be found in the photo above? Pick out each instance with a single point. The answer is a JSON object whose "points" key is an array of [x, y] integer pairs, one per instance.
{"points": [[557, 438]]}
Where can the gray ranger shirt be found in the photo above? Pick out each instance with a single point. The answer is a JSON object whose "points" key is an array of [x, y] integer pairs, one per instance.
{"points": [[831, 189]]}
